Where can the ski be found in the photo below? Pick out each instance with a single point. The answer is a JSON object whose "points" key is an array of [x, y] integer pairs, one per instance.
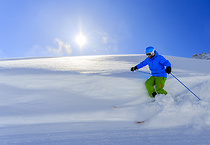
{"points": [[140, 122], [115, 107], [137, 122], [151, 100]]}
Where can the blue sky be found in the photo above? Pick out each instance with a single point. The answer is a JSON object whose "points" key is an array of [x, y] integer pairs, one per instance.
{"points": [[48, 27]]}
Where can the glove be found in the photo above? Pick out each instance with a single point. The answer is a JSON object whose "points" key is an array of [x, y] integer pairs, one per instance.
{"points": [[134, 68], [168, 70]]}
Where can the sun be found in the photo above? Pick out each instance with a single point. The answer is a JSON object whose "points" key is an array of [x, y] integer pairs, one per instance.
{"points": [[81, 40]]}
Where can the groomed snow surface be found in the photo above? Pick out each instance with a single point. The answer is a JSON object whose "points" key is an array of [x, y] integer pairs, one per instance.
{"points": [[69, 101]]}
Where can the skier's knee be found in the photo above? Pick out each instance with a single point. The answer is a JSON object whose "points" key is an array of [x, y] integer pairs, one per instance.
{"points": [[147, 83]]}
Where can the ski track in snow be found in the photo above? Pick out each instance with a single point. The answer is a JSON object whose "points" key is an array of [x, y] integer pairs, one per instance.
{"points": [[68, 100]]}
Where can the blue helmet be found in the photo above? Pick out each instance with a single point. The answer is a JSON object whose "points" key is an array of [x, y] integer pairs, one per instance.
{"points": [[150, 49]]}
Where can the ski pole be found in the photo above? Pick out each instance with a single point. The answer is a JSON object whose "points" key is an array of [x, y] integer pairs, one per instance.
{"points": [[185, 86], [143, 72]]}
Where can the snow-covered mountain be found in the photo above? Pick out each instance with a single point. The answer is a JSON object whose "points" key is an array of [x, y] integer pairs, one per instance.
{"points": [[69, 100], [202, 56]]}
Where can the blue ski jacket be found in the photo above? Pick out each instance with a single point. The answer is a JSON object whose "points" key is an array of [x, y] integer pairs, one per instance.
{"points": [[156, 64]]}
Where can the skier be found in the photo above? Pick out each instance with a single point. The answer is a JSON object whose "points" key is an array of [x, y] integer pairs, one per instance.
{"points": [[157, 64]]}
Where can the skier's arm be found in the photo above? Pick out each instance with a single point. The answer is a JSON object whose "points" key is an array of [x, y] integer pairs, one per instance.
{"points": [[166, 63], [140, 65]]}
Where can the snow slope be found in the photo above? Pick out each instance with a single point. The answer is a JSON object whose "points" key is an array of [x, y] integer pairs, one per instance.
{"points": [[69, 100]]}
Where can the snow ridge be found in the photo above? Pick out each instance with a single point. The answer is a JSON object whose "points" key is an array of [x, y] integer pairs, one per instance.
{"points": [[205, 56]]}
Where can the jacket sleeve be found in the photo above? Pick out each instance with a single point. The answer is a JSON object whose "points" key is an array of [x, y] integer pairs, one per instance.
{"points": [[165, 62], [142, 64]]}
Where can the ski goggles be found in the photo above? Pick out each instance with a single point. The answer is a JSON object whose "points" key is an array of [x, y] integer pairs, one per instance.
{"points": [[148, 54]]}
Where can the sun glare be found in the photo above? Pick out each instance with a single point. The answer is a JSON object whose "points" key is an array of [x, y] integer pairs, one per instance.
{"points": [[81, 40]]}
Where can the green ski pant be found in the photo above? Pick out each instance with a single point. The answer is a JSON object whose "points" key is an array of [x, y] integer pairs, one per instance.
{"points": [[158, 82]]}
